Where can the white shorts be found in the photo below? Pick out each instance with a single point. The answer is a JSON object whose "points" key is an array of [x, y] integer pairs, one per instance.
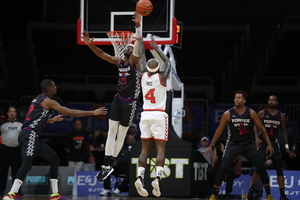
{"points": [[154, 125]]}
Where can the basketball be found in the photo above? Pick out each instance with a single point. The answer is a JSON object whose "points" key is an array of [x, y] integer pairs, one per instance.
{"points": [[144, 7]]}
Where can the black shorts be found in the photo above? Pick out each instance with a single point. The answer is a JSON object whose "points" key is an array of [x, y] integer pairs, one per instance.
{"points": [[123, 110], [32, 145], [246, 149], [276, 157]]}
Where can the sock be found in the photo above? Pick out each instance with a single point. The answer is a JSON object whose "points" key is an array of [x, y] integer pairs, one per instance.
{"points": [[267, 189], [141, 172], [112, 160], [16, 186], [159, 171], [107, 160], [54, 186], [282, 193]]}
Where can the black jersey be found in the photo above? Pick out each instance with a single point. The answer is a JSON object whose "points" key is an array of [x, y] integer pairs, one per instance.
{"points": [[272, 123], [37, 115], [129, 81], [240, 126]]}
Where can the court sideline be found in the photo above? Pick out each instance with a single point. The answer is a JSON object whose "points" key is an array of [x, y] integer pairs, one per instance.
{"points": [[46, 197]]}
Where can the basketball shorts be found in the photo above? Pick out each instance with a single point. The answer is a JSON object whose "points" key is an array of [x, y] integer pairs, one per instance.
{"points": [[123, 111], [154, 125]]}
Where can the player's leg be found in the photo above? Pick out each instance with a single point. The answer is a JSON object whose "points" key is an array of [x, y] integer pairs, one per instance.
{"points": [[29, 142], [278, 165], [254, 156], [142, 162]]}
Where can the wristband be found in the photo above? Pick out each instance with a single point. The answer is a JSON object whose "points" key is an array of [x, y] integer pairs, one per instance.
{"points": [[286, 146]]}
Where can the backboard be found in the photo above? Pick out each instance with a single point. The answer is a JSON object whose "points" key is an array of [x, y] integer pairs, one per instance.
{"points": [[100, 16]]}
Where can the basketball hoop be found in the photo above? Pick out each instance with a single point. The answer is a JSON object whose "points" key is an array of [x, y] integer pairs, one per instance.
{"points": [[119, 40]]}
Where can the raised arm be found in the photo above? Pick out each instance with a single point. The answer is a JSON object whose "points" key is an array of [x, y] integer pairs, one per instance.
{"points": [[134, 59], [167, 65], [99, 52]]}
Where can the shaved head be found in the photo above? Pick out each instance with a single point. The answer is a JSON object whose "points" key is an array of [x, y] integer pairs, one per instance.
{"points": [[46, 84]]}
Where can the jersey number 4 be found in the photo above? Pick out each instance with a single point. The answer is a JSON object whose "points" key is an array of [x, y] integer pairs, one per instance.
{"points": [[150, 96]]}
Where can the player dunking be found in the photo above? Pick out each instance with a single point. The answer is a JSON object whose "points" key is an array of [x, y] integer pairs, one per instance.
{"points": [[154, 119], [240, 122], [32, 145], [125, 102]]}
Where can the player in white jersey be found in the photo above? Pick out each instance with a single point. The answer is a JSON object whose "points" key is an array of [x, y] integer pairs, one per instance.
{"points": [[154, 119]]}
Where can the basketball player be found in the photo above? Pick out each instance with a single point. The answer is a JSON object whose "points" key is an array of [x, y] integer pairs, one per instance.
{"points": [[125, 102], [273, 120], [154, 119], [240, 122], [32, 145]]}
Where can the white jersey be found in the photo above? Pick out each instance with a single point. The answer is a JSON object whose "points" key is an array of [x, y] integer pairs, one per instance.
{"points": [[10, 132], [154, 93]]}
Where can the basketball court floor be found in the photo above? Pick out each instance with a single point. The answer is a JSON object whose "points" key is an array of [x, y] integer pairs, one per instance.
{"points": [[44, 197], [107, 198]]}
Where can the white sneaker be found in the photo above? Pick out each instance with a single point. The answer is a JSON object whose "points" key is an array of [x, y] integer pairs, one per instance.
{"points": [[117, 191], [155, 184], [105, 193], [139, 185]]}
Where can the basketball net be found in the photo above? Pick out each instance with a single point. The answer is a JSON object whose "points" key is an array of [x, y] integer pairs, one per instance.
{"points": [[119, 40]]}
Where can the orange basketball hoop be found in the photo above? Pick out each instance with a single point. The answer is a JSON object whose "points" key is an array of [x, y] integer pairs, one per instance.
{"points": [[119, 40]]}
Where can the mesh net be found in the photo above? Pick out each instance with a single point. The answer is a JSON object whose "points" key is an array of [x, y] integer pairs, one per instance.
{"points": [[119, 40]]}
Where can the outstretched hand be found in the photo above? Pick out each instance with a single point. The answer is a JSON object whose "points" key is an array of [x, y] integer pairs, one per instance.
{"points": [[153, 43], [137, 19], [86, 38], [100, 111]]}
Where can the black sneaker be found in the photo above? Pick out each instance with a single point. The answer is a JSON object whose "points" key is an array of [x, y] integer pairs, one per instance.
{"points": [[140, 187], [104, 173]]}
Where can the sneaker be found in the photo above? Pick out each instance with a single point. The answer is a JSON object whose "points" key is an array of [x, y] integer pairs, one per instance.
{"points": [[105, 193], [213, 197], [57, 197], [104, 173], [117, 191], [139, 185], [250, 195], [12, 196], [269, 197], [155, 185]]}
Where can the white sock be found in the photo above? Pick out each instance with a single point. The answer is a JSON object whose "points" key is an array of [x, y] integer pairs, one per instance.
{"points": [[54, 186], [16, 186], [159, 171], [141, 171]]}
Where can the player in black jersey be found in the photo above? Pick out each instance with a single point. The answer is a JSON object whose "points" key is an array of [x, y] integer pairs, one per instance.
{"points": [[240, 122], [273, 120], [32, 145], [125, 102]]}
